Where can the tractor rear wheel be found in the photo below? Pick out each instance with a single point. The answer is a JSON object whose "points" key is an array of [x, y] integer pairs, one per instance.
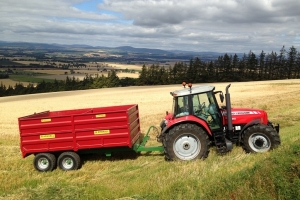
{"points": [[260, 138], [186, 142]]}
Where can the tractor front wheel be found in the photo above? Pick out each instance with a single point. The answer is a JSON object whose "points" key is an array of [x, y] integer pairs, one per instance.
{"points": [[260, 138], [186, 142]]}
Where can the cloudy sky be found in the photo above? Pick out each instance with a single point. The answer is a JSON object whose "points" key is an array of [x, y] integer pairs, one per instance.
{"points": [[195, 25]]}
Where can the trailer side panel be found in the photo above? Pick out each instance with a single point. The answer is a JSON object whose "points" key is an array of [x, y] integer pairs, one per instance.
{"points": [[73, 130]]}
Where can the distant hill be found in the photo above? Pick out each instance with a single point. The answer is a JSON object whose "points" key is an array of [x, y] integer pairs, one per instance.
{"points": [[125, 52], [142, 50]]}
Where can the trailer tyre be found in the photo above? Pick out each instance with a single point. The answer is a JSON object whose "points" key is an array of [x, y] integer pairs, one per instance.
{"points": [[68, 161], [260, 138], [186, 142], [44, 162]]}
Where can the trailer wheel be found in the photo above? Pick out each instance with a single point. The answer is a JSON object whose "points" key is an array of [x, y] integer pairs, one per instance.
{"points": [[260, 138], [68, 161], [186, 142], [44, 162]]}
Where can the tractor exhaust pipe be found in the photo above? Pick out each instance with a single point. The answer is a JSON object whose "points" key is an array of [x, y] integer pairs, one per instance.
{"points": [[229, 115]]}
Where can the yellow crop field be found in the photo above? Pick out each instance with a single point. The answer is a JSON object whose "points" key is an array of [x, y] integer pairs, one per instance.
{"points": [[147, 176], [124, 66], [153, 101], [12, 83]]}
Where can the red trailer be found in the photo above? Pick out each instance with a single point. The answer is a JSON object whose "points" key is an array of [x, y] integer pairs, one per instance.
{"points": [[61, 136]]}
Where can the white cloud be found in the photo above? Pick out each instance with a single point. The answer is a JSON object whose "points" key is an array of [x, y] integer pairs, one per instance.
{"points": [[206, 25]]}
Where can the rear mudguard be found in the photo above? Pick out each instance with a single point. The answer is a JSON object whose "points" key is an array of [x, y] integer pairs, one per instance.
{"points": [[186, 119]]}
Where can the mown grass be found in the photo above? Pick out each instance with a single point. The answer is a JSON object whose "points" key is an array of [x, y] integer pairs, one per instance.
{"points": [[235, 175]]}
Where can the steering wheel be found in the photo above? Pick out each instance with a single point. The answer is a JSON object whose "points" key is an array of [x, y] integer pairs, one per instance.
{"points": [[202, 105], [198, 109]]}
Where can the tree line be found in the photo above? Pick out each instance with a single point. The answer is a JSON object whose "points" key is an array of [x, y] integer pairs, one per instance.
{"points": [[227, 68], [272, 66], [3, 76]]}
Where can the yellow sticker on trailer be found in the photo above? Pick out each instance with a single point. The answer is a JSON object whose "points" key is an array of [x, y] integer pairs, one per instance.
{"points": [[48, 136], [100, 132], [100, 115], [45, 120]]}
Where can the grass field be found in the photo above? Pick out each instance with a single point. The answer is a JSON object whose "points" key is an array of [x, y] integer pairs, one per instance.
{"points": [[29, 79], [91, 64], [235, 175]]}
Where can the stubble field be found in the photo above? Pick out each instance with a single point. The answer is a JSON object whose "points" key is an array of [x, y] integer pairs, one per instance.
{"points": [[148, 176]]}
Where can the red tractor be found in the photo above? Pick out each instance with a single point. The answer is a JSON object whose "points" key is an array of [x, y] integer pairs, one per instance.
{"points": [[197, 122]]}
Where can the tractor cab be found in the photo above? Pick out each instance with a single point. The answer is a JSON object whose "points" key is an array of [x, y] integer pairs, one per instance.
{"points": [[199, 102], [199, 106]]}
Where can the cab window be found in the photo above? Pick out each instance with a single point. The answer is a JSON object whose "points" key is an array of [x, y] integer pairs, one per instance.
{"points": [[182, 106]]}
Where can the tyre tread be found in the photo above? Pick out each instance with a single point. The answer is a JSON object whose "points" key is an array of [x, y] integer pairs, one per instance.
{"points": [[171, 135], [75, 158], [262, 128], [52, 160]]}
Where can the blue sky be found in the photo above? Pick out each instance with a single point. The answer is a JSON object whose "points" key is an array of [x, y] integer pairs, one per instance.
{"points": [[88, 6], [91, 6], [193, 25]]}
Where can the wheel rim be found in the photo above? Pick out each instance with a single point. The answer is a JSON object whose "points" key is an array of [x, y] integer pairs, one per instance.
{"points": [[67, 163], [186, 147], [43, 163], [259, 142]]}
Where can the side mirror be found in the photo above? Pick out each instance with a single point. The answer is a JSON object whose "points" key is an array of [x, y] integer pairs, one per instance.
{"points": [[221, 97]]}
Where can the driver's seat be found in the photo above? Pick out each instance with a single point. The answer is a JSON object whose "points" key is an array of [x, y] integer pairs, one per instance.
{"points": [[212, 110]]}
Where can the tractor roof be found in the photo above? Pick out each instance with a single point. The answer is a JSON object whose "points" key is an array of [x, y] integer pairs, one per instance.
{"points": [[192, 90]]}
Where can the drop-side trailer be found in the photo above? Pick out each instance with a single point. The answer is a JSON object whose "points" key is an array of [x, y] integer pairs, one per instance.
{"points": [[61, 137]]}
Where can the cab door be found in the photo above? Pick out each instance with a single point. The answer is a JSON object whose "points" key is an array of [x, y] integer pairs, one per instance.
{"points": [[205, 108]]}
